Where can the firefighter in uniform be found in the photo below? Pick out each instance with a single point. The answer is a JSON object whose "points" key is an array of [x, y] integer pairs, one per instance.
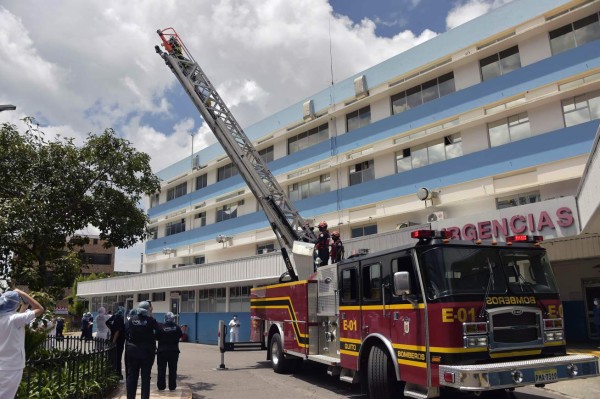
{"points": [[167, 354], [140, 349], [337, 248], [322, 245]]}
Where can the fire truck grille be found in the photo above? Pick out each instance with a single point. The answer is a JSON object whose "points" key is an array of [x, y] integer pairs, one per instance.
{"points": [[518, 328], [515, 336]]}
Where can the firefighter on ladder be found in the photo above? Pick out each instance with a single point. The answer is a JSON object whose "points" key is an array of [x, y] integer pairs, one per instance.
{"points": [[322, 245], [337, 248], [176, 48]]}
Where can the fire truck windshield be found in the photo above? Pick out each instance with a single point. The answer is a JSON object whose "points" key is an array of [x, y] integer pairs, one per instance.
{"points": [[468, 270]]}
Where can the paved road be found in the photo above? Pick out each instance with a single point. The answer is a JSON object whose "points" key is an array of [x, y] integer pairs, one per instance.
{"points": [[249, 376]]}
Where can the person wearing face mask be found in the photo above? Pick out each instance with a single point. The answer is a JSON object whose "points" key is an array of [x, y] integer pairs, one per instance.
{"points": [[234, 329], [167, 354], [140, 349], [597, 316], [12, 337]]}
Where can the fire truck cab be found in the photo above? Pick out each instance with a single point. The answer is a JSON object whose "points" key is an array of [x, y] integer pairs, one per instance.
{"points": [[413, 320]]}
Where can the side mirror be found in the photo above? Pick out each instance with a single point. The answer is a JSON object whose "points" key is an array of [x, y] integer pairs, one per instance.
{"points": [[401, 284]]}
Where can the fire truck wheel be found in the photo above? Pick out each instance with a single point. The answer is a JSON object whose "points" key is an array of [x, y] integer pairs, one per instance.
{"points": [[278, 362], [381, 378]]}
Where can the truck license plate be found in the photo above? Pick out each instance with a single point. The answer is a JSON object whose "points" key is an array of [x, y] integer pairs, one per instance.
{"points": [[546, 375]]}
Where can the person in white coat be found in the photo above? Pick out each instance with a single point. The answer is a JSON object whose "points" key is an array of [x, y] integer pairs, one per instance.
{"points": [[12, 343], [234, 329], [101, 327]]}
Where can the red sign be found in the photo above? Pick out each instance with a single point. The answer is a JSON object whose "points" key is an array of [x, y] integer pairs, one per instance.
{"points": [[517, 224]]}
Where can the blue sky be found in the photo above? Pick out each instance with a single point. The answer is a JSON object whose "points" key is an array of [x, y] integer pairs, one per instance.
{"points": [[393, 16], [83, 66]]}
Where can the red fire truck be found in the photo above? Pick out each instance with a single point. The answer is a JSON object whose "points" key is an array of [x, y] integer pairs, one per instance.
{"points": [[438, 313]]}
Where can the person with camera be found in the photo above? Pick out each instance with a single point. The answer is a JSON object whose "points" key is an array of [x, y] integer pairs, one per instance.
{"points": [[12, 337]]}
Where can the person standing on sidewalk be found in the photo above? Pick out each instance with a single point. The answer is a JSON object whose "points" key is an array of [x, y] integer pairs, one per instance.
{"points": [[597, 316], [140, 349], [167, 354], [234, 329], [12, 338], [116, 323], [101, 327]]}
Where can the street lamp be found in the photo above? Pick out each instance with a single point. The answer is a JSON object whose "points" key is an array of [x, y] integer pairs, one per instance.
{"points": [[7, 107]]}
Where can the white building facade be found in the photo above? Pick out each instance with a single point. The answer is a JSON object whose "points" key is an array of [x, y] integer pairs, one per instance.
{"points": [[497, 118]]}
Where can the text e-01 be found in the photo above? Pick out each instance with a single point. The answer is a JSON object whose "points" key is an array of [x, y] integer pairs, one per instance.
{"points": [[450, 315], [350, 325]]}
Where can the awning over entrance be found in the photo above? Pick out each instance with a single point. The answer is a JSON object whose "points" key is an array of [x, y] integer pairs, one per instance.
{"points": [[588, 193]]}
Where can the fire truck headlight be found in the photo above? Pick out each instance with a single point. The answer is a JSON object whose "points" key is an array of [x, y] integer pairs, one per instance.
{"points": [[558, 335], [475, 328], [549, 335], [475, 341]]}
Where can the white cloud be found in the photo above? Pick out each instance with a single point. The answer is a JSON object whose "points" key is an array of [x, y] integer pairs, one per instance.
{"points": [[82, 67], [464, 11]]}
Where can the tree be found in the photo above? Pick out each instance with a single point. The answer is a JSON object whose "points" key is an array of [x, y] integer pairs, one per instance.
{"points": [[50, 189]]}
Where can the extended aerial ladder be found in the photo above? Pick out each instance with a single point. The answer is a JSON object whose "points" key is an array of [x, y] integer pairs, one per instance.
{"points": [[284, 218]]}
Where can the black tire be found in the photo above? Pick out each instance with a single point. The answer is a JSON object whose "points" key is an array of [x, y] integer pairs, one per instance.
{"points": [[381, 377], [278, 361]]}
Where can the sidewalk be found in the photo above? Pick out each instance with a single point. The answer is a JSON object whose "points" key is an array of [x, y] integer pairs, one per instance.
{"points": [[183, 392]]}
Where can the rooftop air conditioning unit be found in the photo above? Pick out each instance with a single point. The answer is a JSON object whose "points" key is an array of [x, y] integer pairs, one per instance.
{"points": [[360, 87], [435, 216], [308, 110]]}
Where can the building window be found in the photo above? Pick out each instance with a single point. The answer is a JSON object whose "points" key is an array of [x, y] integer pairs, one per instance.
{"points": [[265, 248], [580, 109], [175, 227], [226, 212], [359, 118], [227, 171], [96, 259], [177, 191], [153, 233], [429, 153], [362, 172], [95, 241], [199, 260], [188, 301], [267, 154], [518, 199], [154, 200], [575, 34], [201, 182], [507, 130], [212, 300], [500, 64], [200, 219], [143, 297], [239, 299], [158, 297], [309, 138], [364, 230], [423, 93], [309, 188]]}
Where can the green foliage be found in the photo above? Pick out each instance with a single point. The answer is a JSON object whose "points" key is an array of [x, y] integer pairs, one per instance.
{"points": [[76, 307], [50, 189], [67, 375], [34, 338]]}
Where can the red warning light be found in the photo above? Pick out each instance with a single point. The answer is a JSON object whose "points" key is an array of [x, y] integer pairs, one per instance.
{"points": [[524, 238], [420, 234]]}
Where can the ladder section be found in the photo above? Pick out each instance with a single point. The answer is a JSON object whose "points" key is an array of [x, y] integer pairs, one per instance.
{"points": [[284, 218]]}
